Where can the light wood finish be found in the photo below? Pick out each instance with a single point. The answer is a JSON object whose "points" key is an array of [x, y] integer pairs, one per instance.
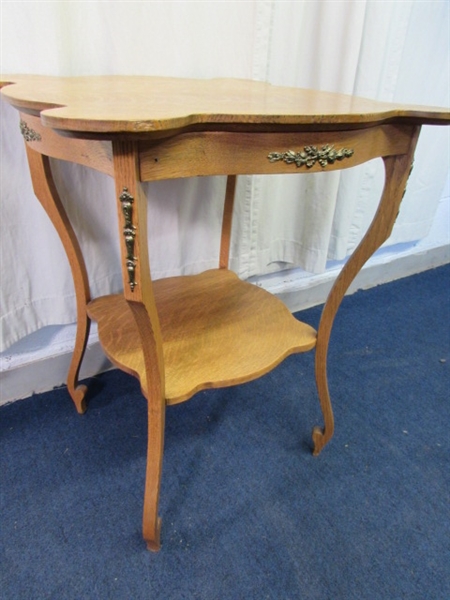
{"points": [[221, 153], [95, 154], [397, 169], [144, 321], [217, 331], [114, 104], [227, 220], [185, 334], [47, 194]]}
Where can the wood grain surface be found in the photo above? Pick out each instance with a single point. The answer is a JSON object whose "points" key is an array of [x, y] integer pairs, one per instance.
{"points": [[114, 104], [217, 331]]}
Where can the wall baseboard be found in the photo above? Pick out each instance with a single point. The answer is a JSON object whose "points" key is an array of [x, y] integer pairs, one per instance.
{"points": [[298, 296], [43, 372], [49, 372]]}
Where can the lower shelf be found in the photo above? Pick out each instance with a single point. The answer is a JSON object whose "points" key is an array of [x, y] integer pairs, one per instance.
{"points": [[217, 331]]}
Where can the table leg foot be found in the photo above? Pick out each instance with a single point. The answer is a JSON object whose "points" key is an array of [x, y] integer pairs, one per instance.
{"points": [[78, 396], [320, 438], [154, 540], [78, 391]]}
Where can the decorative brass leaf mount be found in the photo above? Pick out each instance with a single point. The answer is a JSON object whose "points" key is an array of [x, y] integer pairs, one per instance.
{"points": [[30, 135], [308, 157], [129, 233]]}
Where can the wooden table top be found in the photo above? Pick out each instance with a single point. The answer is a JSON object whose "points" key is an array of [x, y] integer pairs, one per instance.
{"points": [[118, 104]]}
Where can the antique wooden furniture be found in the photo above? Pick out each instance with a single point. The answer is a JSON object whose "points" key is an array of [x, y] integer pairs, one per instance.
{"points": [[185, 334]]}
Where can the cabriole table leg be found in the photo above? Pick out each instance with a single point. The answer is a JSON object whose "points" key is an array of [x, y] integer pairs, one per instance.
{"points": [[47, 194], [397, 170]]}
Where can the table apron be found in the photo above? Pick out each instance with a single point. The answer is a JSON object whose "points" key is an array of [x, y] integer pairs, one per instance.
{"points": [[226, 153], [96, 154]]}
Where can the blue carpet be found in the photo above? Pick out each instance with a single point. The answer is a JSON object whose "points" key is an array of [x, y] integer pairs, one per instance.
{"points": [[248, 512]]}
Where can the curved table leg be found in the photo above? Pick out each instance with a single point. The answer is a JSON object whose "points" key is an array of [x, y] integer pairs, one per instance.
{"points": [[156, 410], [47, 194], [151, 522], [138, 291], [397, 169]]}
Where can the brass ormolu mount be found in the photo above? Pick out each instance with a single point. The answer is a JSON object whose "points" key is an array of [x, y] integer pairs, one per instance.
{"points": [[310, 155], [129, 233]]}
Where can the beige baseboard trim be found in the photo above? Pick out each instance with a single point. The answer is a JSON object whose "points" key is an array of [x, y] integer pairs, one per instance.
{"points": [[298, 296], [48, 373]]}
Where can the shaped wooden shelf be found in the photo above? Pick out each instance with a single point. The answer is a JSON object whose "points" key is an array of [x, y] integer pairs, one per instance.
{"points": [[217, 331]]}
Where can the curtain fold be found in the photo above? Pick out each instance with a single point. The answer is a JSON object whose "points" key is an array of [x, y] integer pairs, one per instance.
{"points": [[389, 51]]}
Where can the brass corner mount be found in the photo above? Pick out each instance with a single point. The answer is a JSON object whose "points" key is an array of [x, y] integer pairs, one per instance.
{"points": [[30, 135]]}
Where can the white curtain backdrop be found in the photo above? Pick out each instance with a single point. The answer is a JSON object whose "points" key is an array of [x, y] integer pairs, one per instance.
{"points": [[395, 51]]}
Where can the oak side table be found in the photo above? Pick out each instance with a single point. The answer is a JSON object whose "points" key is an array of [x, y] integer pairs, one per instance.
{"points": [[184, 334]]}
